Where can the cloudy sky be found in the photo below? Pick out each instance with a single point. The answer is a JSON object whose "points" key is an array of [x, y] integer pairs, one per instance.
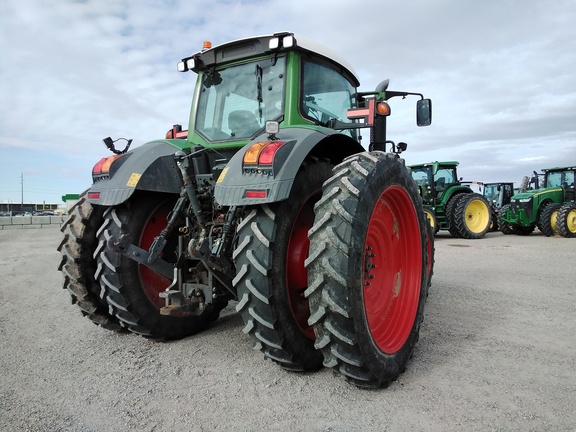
{"points": [[501, 74]]}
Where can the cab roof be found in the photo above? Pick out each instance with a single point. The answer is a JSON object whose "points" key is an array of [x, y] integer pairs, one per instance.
{"points": [[259, 45]]}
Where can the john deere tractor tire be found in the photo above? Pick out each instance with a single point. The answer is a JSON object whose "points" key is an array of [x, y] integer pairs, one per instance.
{"points": [[271, 278], [471, 216], [566, 220], [78, 264], [431, 215], [548, 219], [367, 269], [503, 226], [131, 289], [449, 213]]}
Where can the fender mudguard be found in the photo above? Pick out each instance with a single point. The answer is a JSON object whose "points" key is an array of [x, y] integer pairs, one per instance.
{"points": [[240, 187], [150, 167]]}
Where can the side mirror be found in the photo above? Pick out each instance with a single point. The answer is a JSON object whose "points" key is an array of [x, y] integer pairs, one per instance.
{"points": [[424, 112], [401, 146]]}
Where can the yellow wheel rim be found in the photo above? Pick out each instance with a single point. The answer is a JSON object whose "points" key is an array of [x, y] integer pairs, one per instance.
{"points": [[571, 221], [430, 217], [477, 216], [554, 220]]}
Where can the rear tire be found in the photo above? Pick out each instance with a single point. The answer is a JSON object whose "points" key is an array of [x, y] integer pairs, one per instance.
{"points": [[271, 278], [367, 269], [78, 264], [433, 221], [471, 216], [566, 220], [131, 289], [548, 219], [449, 213]]}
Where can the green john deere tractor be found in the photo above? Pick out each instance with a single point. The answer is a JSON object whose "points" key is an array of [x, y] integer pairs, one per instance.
{"points": [[498, 195], [268, 200], [449, 203], [551, 207]]}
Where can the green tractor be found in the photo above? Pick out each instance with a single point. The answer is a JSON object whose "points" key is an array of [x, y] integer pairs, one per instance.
{"points": [[449, 203], [498, 195], [268, 200], [551, 206]]}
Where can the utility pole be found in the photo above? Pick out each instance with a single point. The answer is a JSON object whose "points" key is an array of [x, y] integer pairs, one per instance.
{"points": [[22, 192]]}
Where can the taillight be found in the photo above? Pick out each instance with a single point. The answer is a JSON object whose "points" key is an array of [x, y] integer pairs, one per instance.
{"points": [[103, 165], [97, 170], [267, 154], [251, 155], [106, 165], [262, 153]]}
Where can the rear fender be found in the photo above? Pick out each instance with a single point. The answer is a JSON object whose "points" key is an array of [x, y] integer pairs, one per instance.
{"points": [[150, 167], [239, 186]]}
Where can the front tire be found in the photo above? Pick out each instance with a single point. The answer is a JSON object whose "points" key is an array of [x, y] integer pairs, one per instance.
{"points": [[367, 269], [503, 226], [131, 289], [271, 277]]}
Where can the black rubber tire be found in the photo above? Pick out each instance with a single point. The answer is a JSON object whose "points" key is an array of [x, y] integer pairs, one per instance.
{"points": [[432, 219], [130, 289], [368, 239], [566, 220], [503, 226], [78, 264], [493, 221], [524, 230], [449, 213], [548, 219], [271, 277], [430, 251], [471, 216]]}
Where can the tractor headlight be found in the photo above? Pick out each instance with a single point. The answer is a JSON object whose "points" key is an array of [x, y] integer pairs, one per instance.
{"points": [[525, 200]]}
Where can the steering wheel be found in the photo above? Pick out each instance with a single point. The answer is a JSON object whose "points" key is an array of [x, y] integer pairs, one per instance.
{"points": [[319, 113]]}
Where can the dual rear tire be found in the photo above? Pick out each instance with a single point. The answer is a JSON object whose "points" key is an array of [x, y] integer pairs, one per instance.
{"points": [[368, 271]]}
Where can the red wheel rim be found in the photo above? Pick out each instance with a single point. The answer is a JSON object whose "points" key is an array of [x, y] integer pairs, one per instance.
{"points": [[393, 269], [296, 274], [153, 283]]}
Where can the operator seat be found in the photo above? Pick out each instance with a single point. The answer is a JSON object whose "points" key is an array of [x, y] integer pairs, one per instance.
{"points": [[242, 123], [440, 184]]}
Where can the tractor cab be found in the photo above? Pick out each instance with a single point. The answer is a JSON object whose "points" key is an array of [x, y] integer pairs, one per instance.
{"points": [[498, 194], [434, 180]]}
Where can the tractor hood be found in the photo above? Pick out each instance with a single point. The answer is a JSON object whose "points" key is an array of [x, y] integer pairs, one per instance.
{"points": [[534, 193]]}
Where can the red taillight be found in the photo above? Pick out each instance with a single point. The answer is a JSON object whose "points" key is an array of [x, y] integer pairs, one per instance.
{"points": [[266, 156], [255, 194], [262, 153], [104, 164], [97, 170], [94, 195]]}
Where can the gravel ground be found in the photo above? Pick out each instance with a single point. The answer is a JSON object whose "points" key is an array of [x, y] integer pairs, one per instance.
{"points": [[497, 352]]}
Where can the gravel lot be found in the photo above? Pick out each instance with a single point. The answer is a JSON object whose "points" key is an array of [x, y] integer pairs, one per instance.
{"points": [[497, 352]]}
